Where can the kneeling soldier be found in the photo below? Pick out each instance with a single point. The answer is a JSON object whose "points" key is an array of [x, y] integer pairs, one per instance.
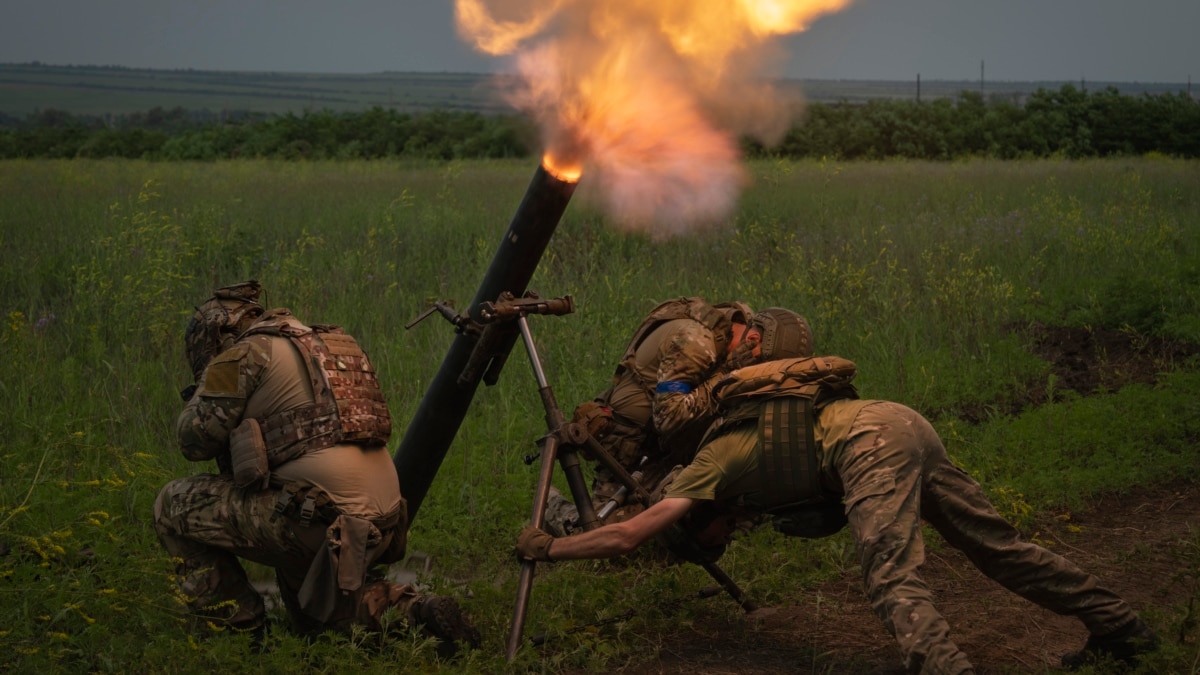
{"points": [[296, 420]]}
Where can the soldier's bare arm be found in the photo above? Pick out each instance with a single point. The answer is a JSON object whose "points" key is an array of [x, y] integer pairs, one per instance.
{"points": [[620, 538]]}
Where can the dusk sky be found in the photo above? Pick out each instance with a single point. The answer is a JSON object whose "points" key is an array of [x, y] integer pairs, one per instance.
{"points": [[1096, 40]]}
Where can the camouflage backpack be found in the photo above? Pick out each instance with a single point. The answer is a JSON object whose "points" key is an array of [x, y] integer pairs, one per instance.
{"points": [[715, 319]]}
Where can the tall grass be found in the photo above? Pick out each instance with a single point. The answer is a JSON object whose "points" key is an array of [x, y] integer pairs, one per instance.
{"points": [[923, 274]]}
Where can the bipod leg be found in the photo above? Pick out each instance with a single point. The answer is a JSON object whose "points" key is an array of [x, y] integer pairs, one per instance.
{"points": [[549, 454], [538, 518], [730, 586], [568, 458]]}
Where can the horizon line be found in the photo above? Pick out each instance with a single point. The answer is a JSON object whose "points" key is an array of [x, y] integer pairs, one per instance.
{"points": [[40, 64]]}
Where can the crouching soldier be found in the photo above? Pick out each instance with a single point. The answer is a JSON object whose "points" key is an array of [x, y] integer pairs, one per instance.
{"points": [[654, 414], [795, 442], [297, 422]]}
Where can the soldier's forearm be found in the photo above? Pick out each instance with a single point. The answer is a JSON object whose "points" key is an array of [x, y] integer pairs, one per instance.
{"points": [[623, 537], [604, 542]]}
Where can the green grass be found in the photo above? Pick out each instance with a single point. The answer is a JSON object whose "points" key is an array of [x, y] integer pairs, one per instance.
{"points": [[920, 273]]}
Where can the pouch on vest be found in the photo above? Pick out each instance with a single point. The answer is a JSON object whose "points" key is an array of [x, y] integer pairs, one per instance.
{"points": [[248, 457]]}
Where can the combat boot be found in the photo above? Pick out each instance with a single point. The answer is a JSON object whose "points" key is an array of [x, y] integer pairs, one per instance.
{"points": [[441, 617], [1124, 644]]}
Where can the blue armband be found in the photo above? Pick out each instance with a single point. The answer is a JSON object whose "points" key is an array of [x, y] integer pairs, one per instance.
{"points": [[673, 387]]}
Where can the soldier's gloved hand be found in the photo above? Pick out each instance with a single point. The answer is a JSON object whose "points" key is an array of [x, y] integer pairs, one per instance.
{"points": [[534, 544], [596, 417]]}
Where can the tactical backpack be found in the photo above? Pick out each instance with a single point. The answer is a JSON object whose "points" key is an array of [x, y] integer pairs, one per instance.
{"points": [[695, 309], [782, 397], [349, 405]]}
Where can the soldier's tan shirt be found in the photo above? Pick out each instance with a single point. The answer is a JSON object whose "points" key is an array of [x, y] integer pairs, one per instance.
{"points": [[727, 467], [264, 375]]}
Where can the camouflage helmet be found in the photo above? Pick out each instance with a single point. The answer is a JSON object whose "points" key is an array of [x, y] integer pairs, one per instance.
{"points": [[735, 311], [219, 321], [785, 334]]}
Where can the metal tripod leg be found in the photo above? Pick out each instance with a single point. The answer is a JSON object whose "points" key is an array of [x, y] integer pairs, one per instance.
{"points": [[552, 450]]}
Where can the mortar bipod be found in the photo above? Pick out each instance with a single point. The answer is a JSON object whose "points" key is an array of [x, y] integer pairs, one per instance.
{"points": [[494, 343]]}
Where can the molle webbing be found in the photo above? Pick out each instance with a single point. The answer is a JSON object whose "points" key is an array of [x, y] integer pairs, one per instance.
{"points": [[349, 405], [788, 465], [360, 403]]}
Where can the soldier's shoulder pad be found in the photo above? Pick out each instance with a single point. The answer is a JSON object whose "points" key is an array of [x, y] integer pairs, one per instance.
{"points": [[222, 377]]}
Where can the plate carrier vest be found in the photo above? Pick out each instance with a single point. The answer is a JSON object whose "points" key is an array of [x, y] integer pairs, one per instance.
{"points": [[782, 397], [349, 405]]}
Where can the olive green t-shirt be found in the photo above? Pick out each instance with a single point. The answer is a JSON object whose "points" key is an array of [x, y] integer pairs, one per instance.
{"points": [[727, 466]]}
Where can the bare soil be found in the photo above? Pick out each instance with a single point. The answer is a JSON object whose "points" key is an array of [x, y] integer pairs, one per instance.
{"points": [[1141, 544]]}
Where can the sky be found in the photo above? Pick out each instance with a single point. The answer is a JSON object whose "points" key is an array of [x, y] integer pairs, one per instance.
{"points": [[1014, 40]]}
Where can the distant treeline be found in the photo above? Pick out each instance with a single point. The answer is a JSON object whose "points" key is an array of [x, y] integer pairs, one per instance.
{"points": [[1068, 122]]}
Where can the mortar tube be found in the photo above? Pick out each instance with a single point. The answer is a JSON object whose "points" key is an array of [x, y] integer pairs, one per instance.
{"points": [[441, 411]]}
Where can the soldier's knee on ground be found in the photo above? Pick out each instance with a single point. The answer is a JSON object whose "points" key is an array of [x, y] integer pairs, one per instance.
{"points": [[561, 514]]}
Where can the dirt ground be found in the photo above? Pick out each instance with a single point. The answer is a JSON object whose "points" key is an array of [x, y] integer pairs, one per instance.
{"points": [[1134, 542]]}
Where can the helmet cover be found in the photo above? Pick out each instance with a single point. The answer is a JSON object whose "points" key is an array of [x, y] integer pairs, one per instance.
{"points": [[219, 321], [785, 334]]}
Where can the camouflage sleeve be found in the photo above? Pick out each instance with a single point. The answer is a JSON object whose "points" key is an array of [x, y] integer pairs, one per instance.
{"points": [[687, 362], [220, 399]]}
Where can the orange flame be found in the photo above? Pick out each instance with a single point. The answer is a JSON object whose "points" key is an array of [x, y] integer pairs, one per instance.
{"points": [[566, 172], [649, 96]]}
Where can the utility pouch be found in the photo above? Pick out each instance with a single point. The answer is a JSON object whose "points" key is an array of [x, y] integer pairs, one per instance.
{"points": [[248, 456]]}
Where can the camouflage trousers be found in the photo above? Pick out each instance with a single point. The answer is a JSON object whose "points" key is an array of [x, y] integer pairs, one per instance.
{"points": [[206, 524], [894, 471]]}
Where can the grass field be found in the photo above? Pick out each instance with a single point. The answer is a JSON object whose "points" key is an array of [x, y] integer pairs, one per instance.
{"points": [[92, 90], [924, 274]]}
